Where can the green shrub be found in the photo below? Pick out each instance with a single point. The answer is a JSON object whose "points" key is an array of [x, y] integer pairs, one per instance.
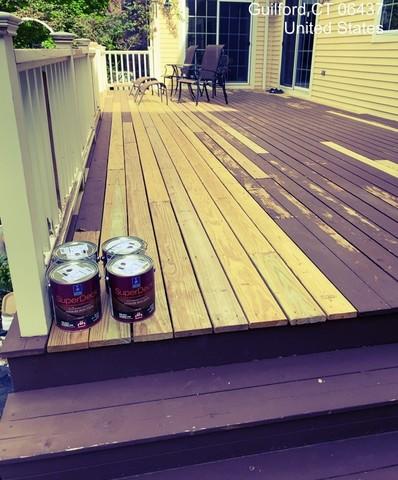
{"points": [[5, 277]]}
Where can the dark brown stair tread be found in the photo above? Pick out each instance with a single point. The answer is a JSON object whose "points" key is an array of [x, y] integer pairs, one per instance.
{"points": [[187, 403], [363, 458]]}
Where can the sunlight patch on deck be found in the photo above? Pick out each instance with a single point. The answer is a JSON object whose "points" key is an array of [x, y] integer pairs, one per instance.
{"points": [[362, 120], [386, 166]]}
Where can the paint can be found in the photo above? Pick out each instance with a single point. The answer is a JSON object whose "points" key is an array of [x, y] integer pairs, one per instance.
{"points": [[74, 251], [117, 246], [131, 281], [75, 294]]}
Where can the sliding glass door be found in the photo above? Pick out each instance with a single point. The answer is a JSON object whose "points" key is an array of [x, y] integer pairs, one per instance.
{"points": [[227, 22], [297, 46]]}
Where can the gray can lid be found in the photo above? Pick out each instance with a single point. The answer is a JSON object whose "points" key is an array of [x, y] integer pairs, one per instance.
{"points": [[71, 273], [74, 250], [123, 245], [129, 265]]}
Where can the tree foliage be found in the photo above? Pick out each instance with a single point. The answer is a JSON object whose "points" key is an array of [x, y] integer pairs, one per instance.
{"points": [[103, 21]]}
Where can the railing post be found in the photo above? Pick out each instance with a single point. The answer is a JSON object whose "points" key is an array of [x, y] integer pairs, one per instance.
{"points": [[24, 250], [64, 40], [84, 43]]}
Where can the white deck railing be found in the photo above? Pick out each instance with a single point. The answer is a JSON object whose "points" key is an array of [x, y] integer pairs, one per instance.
{"points": [[123, 67], [50, 106]]}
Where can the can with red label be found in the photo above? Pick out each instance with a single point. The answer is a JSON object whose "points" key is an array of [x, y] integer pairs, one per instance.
{"points": [[118, 246], [74, 251], [75, 294], [131, 281]]}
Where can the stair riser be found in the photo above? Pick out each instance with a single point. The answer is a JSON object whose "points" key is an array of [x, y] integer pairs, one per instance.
{"points": [[118, 461], [96, 364]]}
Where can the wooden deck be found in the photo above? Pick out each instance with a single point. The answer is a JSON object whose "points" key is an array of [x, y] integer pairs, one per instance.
{"points": [[271, 211]]}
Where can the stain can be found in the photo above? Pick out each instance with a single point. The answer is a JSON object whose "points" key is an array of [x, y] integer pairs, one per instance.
{"points": [[73, 251], [75, 294], [131, 281], [117, 246]]}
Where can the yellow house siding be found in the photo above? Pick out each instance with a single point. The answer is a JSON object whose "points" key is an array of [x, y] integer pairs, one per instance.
{"points": [[361, 74], [258, 56], [274, 50]]}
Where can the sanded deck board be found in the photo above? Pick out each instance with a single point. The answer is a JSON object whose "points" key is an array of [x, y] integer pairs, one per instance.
{"points": [[61, 340], [380, 282], [116, 154], [238, 135], [158, 326], [386, 166], [294, 299], [368, 122], [335, 270], [187, 308], [275, 126], [109, 331], [367, 140], [318, 162], [355, 195], [224, 310], [256, 299], [383, 258], [333, 303], [251, 168]]}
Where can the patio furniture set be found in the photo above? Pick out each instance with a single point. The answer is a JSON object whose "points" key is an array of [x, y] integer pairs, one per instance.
{"points": [[212, 72]]}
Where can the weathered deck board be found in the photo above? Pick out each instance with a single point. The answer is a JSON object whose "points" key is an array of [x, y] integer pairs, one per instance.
{"points": [[250, 219]]}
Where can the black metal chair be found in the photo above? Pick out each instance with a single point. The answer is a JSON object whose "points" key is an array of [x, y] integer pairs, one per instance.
{"points": [[208, 74], [222, 75], [180, 71]]}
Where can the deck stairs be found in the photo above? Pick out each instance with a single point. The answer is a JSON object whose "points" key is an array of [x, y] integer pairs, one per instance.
{"points": [[294, 417]]}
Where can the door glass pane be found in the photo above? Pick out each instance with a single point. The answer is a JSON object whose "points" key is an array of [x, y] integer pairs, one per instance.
{"points": [[289, 44], [305, 47], [202, 25], [234, 33]]}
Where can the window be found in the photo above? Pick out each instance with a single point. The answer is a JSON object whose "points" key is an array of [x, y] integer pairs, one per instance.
{"points": [[389, 15], [202, 24]]}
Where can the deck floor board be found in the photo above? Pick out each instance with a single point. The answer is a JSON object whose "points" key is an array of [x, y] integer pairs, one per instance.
{"points": [[251, 220]]}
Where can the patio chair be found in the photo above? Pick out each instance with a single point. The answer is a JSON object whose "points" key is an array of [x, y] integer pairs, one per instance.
{"points": [[207, 75], [150, 84], [137, 84], [222, 74], [179, 71]]}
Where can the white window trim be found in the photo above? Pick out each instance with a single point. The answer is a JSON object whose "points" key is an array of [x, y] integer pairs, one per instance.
{"points": [[386, 36]]}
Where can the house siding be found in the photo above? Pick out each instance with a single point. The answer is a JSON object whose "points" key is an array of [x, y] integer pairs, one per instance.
{"points": [[361, 73], [274, 50], [168, 39], [258, 56]]}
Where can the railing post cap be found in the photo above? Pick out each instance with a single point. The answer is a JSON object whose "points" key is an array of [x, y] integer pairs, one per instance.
{"points": [[83, 42], [63, 39], [9, 24]]}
